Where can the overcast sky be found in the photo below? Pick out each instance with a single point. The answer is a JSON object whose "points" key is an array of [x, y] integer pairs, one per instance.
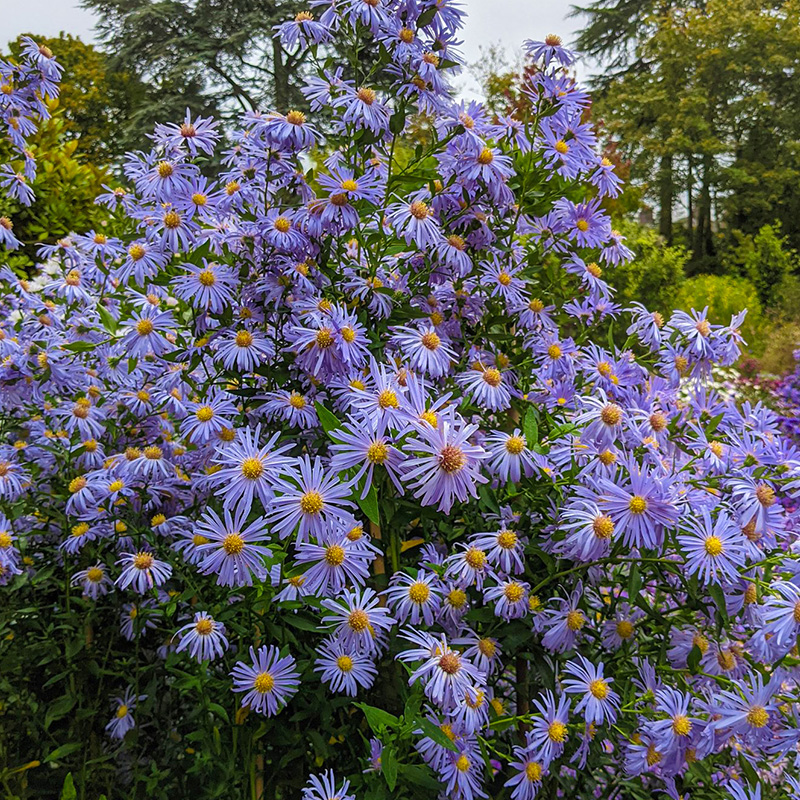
{"points": [[507, 22]]}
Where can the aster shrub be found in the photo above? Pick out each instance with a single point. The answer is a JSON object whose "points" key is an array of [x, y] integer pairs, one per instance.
{"points": [[338, 472]]}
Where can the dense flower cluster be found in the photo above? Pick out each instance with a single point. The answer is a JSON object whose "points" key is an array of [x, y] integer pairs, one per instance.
{"points": [[360, 372]]}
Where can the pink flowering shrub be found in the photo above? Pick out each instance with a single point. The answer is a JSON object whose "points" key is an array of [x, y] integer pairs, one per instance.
{"points": [[353, 480]]}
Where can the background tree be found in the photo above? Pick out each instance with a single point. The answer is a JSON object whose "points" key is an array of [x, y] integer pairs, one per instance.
{"points": [[95, 101], [214, 56]]}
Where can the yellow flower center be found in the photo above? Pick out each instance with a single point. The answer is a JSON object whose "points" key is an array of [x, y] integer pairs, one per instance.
{"points": [[493, 377], [598, 688], [624, 629], [450, 663], [515, 445], [264, 683], [637, 504], [765, 495], [554, 352], [295, 117], [557, 731], [475, 558], [457, 598], [452, 459], [713, 546], [311, 502], [204, 413], [757, 717], [358, 620], [611, 414], [419, 592], [681, 725], [204, 626], [233, 544], [575, 620], [122, 711], [377, 453], [463, 764], [418, 210], [252, 468], [366, 96], [94, 575], [345, 663], [153, 452], [514, 592], [244, 338], [388, 399], [533, 771], [562, 147], [334, 555], [143, 561], [603, 527], [144, 327], [507, 539], [282, 225], [430, 340]]}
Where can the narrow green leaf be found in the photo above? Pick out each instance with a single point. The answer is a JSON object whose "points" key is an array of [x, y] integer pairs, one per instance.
{"points": [[62, 751], [328, 420], [530, 427], [68, 789], [436, 733], [377, 717], [389, 767], [693, 660], [369, 505]]}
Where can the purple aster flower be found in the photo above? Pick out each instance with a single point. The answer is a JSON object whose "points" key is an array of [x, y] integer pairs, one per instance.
{"points": [[418, 598], [528, 777], [323, 787], [310, 499], [302, 30], [204, 638], [94, 581], [337, 560], [269, 683], [468, 566], [781, 615], [598, 702], [488, 387], [247, 469], [289, 132], [565, 623], [462, 773], [362, 107], [244, 350], [142, 571], [345, 669], [640, 509], [291, 407], [145, 333], [589, 530], [510, 598], [197, 136], [210, 287], [358, 618], [714, 548], [550, 50], [504, 549], [364, 444], [549, 731], [424, 350], [509, 456], [231, 552], [738, 792], [747, 711], [123, 720], [415, 222], [757, 503], [448, 467], [206, 420], [446, 675], [679, 729]]}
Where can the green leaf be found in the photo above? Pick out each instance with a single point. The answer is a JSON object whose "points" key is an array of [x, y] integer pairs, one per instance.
{"points": [[369, 505], [718, 596], [328, 420], [389, 767], [62, 751], [397, 122], [747, 768], [57, 709], [377, 717], [634, 581], [219, 711], [79, 347], [109, 323], [302, 623], [421, 777], [436, 733], [531, 427], [68, 789], [693, 660], [426, 17]]}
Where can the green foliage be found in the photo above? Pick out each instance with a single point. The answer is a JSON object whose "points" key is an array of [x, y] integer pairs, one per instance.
{"points": [[766, 260], [707, 109], [655, 275], [725, 296], [66, 186], [95, 102]]}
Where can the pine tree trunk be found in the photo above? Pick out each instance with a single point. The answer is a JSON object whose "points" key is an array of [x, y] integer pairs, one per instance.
{"points": [[665, 198]]}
